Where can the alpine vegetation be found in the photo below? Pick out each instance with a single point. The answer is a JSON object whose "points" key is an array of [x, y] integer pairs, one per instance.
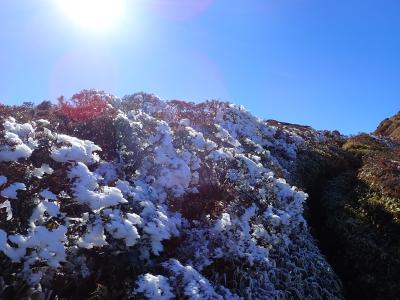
{"points": [[140, 198]]}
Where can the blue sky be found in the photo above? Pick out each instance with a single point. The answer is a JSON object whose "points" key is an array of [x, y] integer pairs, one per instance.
{"points": [[328, 64]]}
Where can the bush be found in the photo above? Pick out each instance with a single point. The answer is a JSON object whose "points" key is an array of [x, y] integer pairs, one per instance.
{"points": [[84, 105], [381, 172], [183, 200]]}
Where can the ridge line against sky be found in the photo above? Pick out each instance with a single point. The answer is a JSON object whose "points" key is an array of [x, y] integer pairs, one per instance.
{"points": [[327, 64]]}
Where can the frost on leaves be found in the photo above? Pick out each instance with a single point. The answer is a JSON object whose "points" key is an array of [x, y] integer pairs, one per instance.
{"points": [[190, 204]]}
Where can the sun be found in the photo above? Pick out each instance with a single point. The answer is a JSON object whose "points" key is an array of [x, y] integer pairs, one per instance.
{"points": [[97, 15]]}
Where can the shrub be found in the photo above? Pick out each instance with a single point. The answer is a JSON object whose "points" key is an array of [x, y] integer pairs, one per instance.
{"points": [[381, 172], [183, 202], [363, 144], [84, 105]]}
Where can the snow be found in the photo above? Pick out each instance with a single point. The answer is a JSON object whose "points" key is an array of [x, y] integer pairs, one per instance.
{"points": [[11, 190], [43, 122], [51, 208], [23, 131], [46, 194], [44, 169], [185, 122], [15, 152], [223, 222], [255, 168], [19, 151], [218, 155], [121, 228], [182, 196], [12, 253], [276, 216], [154, 287], [195, 285], [3, 179], [7, 205], [3, 240], [176, 174], [86, 189], [94, 236], [197, 139], [76, 151], [19, 138], [107, 171], [157, 225], [46, 245], [124, 186]]}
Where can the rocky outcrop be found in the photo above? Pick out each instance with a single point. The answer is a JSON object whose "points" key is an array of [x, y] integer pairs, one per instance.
{"points": [[390, 128]]}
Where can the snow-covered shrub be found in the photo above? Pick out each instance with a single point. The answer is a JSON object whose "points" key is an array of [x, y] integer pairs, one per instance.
{"points": [[148, 103], [154, 287], [187, 203], [18, 141], [90, 116]]}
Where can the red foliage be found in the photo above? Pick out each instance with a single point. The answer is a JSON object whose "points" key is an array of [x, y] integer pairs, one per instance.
{"points": [[85, 105]]}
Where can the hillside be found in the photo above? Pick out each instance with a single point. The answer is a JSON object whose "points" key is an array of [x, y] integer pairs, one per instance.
{"points": [[390, 128], [353, 210], [139, 198]]}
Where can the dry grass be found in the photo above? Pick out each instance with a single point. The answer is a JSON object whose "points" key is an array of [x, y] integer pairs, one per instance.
{"points": [[363, 144], [381, 172]]}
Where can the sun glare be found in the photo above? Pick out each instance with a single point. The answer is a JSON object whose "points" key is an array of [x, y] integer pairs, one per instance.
{"points": [[98, 15]]}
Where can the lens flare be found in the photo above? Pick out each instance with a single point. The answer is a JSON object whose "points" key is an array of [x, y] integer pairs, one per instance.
{"points": [[97, 15]]}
